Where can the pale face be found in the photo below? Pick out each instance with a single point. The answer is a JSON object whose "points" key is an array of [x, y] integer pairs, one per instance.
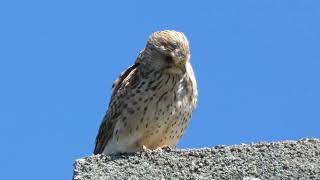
{"points": [[168, 51]]}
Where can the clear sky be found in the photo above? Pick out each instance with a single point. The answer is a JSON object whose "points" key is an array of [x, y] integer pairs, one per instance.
{"points": [[257, 64]]}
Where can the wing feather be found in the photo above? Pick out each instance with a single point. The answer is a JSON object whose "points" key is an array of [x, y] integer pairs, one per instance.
{"points": [[109, 121]]}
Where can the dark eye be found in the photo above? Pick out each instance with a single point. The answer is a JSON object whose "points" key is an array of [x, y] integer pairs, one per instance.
{"points": [[174, 45], [168, 58]]}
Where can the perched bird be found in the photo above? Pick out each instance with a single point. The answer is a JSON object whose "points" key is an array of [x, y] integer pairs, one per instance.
{"points": [[152, 101]]}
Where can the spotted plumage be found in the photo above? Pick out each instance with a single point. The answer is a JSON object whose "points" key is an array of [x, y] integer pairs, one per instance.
{"points": [[152, 101]]}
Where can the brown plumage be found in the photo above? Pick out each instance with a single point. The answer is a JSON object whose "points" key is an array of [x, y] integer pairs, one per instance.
{"points": [[152, 101]]}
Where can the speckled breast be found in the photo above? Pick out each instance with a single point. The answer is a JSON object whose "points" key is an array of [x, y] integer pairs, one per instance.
{"points": [[168, 112]]}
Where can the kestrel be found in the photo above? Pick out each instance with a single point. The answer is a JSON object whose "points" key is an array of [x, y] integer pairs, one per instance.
{"points": [[152, 101]]}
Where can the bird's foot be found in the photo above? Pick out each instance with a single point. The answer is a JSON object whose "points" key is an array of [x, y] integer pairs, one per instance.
{"points": [[165, 148], [145, 149]]}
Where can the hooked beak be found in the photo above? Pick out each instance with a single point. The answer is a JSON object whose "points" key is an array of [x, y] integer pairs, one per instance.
{"points": [[177, 68], [176, 65], [182, 67]]}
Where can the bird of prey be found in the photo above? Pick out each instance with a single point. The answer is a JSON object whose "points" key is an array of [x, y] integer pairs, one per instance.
{"points": [[152, 101]]}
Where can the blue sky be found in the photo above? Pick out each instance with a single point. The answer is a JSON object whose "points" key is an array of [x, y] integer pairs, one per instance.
{"points": [[257, 65]]}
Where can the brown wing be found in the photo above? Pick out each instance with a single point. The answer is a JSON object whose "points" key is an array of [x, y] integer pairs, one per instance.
{"points": [[109, 120]]}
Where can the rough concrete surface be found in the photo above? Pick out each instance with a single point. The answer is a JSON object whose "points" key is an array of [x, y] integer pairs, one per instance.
{"points": [[278, 160]]}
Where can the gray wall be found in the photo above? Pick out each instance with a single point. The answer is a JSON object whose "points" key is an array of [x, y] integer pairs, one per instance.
{"points": [[279, 160]]}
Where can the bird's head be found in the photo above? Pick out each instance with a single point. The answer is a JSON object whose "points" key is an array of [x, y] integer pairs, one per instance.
{"points": [[168, 50]]}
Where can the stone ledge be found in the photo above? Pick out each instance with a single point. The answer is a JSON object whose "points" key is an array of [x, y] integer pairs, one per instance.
{"points": [[277, 160]]}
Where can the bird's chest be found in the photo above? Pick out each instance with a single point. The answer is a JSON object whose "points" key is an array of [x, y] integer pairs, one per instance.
{"points": [[168, 113]]}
